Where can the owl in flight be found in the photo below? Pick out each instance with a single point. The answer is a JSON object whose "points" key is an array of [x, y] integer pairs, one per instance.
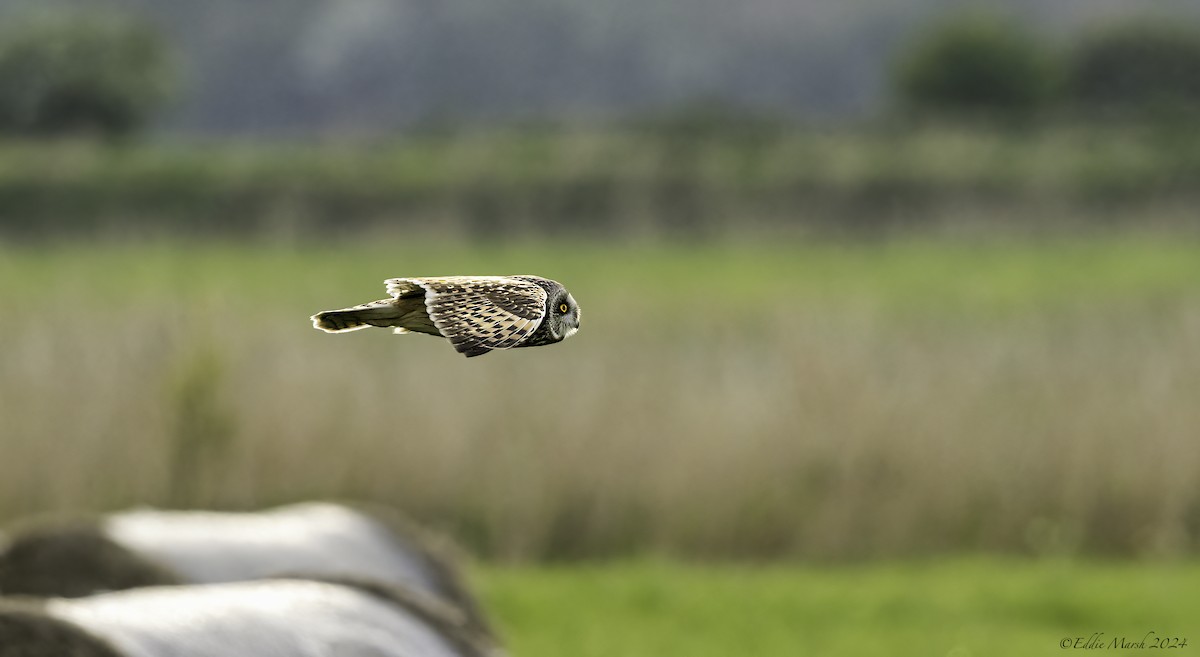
{"points": [[475, 313]]}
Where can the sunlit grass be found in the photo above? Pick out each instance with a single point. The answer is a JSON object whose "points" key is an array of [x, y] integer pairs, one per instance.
{"points": [[977, 607], [932, 275]]}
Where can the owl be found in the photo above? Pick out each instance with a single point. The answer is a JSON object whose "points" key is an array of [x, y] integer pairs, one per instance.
{"points": [[475, 313]]}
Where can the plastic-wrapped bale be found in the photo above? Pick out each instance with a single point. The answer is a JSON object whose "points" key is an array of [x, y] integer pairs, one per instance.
{"points": [[266, 618], [147, 547], [74, 558]]}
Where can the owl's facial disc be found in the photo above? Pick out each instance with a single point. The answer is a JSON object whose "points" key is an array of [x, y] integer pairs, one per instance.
{"points": [[564, 317], [571, 321]]}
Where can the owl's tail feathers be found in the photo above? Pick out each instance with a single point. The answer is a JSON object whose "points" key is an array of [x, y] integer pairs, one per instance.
{"points": [[378, 313]]}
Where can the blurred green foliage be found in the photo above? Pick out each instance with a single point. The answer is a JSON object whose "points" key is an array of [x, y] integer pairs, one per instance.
{"points": [[1142, 66], [71, 74], [203, 426], [978, 65], [981, 65], [611, 183]]}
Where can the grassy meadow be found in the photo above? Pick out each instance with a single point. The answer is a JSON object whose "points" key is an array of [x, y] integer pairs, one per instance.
{"points": [[807, 400], [958, 607]]}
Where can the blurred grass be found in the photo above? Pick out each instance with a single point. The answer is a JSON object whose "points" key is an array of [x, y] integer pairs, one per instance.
{"points": [[806, 399], [923, 274], [976, 607]]}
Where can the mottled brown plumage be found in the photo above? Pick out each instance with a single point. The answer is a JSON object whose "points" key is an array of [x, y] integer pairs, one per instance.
{"points": [[476, 313]]}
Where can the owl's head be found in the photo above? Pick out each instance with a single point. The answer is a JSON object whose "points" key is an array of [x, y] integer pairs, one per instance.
{"points": [[562, 318]]}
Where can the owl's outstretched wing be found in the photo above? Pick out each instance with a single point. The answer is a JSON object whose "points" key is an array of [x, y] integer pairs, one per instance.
{"points": [[479, 313]]}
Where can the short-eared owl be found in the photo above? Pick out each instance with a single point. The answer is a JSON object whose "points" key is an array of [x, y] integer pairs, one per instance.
{"points": [[475, 313]]}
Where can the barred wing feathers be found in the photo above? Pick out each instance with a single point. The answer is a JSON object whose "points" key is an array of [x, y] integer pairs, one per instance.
{"points": [[478, 313]]}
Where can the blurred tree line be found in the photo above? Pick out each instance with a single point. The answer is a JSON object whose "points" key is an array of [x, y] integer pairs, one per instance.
{"points": [[696, 169], [982, 65], [110, 73], [102, 75], [286, 68]]}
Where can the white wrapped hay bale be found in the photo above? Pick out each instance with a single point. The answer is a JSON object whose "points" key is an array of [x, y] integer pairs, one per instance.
{"points": [[149, 547], [266, 618]]}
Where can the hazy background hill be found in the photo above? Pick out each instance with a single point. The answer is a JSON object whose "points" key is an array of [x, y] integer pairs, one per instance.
{"points": [[298, 67]]}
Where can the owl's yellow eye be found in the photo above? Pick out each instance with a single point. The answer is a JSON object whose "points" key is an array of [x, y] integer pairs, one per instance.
{"points": [[562, 308]]}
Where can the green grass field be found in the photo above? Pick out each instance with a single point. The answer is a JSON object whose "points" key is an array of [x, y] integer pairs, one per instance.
{"points": [[957, 607], [823, 400]]}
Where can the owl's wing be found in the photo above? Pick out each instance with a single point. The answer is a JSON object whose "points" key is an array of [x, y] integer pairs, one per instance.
{"points": [[478, 314], [401, 288]]}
